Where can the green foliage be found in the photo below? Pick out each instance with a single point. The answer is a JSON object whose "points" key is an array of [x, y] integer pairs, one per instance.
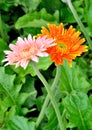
{"points": [[36, 19], [78, 111], [30, 5], [29, 70], [21, 92], [52, 120], [89, 16], [6, 83], [21, 123], [11, 96], [3, 46], [73, 79]]}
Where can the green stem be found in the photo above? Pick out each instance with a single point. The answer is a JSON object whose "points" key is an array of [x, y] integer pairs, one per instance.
{"points": [[41, 115], [50, 95], [79, 22]]}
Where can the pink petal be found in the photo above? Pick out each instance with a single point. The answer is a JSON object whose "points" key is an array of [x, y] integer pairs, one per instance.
{"points": [[42, 54], [17, 64], [20, 41], [24, 63], [35, 58], [7, 52], [12, 47], [30, 38]]}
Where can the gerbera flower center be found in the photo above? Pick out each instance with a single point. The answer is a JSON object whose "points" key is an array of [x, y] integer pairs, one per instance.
{"points": [[61, 45], [27, 52]]}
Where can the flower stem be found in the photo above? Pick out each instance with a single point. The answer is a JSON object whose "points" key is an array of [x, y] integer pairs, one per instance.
{"points": [[79, 22], [41, 115], [50, 95]]}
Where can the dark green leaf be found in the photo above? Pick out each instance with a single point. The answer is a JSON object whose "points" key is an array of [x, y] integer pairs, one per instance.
{"points": [[3, 45], [88, 14]]}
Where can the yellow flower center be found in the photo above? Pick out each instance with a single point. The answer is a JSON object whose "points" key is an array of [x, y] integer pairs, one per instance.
{"points": [[61, 45]]}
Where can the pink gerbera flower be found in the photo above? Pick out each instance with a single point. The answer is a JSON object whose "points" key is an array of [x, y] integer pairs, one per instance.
{"points": [[28, 49]]}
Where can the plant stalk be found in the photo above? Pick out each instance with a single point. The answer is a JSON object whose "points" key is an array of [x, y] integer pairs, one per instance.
{"points": [[79, 22], [55, 82], [40, 76]]}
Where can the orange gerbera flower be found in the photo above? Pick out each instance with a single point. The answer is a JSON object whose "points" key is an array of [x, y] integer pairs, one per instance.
{"points": [[68, 43]]}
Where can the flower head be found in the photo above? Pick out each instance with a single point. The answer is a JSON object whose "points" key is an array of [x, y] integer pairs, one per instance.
{"points": [[27, 49], [68, 43]]}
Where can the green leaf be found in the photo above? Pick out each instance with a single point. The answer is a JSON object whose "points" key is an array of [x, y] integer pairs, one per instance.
{"points": [[52, 122], [33, 31], [5, 79], [69, 16], [73, 78], [39, 101], [29, 92], [23, 96], [7, 83], [88, 16], [65, 11], [90, 98], [78, 111], [2, 48], [43, 64], [51, 6], [52, 119], [35, 19], [88, 13], [30, 5], [1, 112], [3, 45], [21, 123]]}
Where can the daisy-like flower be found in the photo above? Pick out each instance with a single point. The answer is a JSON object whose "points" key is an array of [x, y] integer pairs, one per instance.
{"points": [[68, 43], [27, 49]]}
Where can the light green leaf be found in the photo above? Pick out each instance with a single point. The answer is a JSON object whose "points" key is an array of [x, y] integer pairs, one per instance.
{"points": [[52, 119], [21, 123], [78, 111], [29, 92], [23, 96], [73, 78], [5, 79], [35, 19], [6, 83], [43, 64], [36, 23], [29, 5], [52, 122]]}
